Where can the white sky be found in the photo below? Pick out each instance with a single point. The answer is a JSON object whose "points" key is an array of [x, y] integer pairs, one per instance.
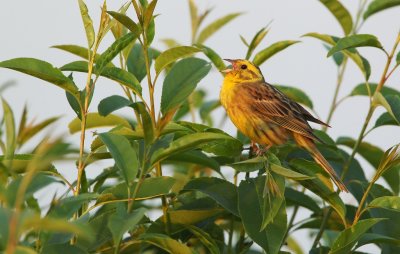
{"points": [[29, 28]]}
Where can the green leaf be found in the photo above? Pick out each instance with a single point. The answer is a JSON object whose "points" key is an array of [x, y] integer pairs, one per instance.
{"points": [[125, 21], [398, 58], [136, 62], [42, 70], [121, 221], [171, 55], [222, 191], [385, 119], [379, 5], [146, 122], [124, 155], [256, 40], [289, 173], [386, 202], [394, 103], [76, 50], [191, 217], [74, 104], [148, 15], [111, 104], [268, 52], [205, 238], [354, 41], [95, 120], [348, 238], [361, 89], [115, 48], [166, 243], [296, 94], [186, 143], [62, 248], [212, 28], [368, 238], [213, 56], [352, 53], [9, 122], [196, 157], [250, 165], [66, 207], [87, 23], [341, 14], [299, 198], [270, 238], [180, 82], [32, 129], [319, 185], [121, 76]]}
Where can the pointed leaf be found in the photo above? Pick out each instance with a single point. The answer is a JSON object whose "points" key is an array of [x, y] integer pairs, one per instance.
{"points": [[385, 119], [341, 14], [76, 50], [386, 202], [256, 40], [288, 173], [95, 120], [9, 122], [222, 191], [181, 81], [361, 89], [250, 165], [213, 56], [136, 62], [354, 41], [301, 199], [379, 5], [125, 157], [205, 238], [148, 15], [166, 243], [87, 23], [209, 30], [112, 103], [42, 70], [31, 130], [125, 21], [348, 238], [171, 55], [268, 52]]}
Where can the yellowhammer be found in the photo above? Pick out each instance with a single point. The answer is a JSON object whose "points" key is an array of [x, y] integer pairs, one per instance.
{"points": [[266, 115]]}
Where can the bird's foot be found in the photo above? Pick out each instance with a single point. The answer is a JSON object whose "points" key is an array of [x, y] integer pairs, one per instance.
{"points": [[259, 150]]}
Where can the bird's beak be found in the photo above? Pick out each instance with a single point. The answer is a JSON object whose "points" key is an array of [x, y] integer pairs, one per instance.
{"points": [[227, 70]]}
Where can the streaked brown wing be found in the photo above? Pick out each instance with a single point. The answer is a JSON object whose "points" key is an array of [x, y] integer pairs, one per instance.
{"points": [[271, 105]]}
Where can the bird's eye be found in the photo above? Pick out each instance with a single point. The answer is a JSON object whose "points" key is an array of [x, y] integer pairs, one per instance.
{"points": [[243, 66]]}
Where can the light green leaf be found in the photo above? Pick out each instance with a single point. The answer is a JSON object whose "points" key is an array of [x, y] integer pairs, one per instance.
{"points": [[32, 129], [288, 173], [209, 30], [348, 238], [124, 155], [171, 55], [125, 21], [256, 40], [296, 94], [9, 122], [181, 81], [148, 15], [119, 75], [166, 243], [352, 53], [112, 103], [341, 14], [213, 56], [76, 50], [191, 217], [355, 41], [94, 120], [87, 23], [250, 165], [379, 5], [268, 52], [222, 191], [42, 70], [386, 202]]}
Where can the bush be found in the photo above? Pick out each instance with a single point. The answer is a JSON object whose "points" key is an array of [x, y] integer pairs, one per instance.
{"points": [[202, 209]]}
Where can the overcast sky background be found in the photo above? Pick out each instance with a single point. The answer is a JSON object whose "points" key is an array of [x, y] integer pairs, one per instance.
{"points": [[29, 28]]}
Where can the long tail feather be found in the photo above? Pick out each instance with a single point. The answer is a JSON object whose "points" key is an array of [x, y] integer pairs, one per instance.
{"points": [[309, 145]]}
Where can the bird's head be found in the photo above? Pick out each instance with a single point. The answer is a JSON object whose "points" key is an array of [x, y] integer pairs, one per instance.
{"points": [[243, 71]]}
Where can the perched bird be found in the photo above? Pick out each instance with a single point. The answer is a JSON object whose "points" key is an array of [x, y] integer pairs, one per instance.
{"points": [[267, 116]]}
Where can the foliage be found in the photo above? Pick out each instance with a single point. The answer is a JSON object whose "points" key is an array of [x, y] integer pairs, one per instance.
{"points": [[202, 209]]}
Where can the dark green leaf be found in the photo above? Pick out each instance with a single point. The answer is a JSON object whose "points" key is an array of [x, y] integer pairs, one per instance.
{"points": [[379, 5], [196, 157], [171, 55], [125, 21], [136, 62], [386, 202], [112, 103], [95, 120], [296, 94], [124, 155], [385, 119], [394, 103], [361, 89], [181, 81], [354, 41], [62, 248], [205, 238], [74, 103], [166, 243], [341, 14], [209, 30], [348, 238], [213, 56], [368, 238], [66, 207], [146, 122], [270, 238], [76, 50], [301, 199], [87, 23], [222, 191], [268, 52], [42, 70]]}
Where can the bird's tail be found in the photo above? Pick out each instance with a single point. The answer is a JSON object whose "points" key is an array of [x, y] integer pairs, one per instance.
{"points": [[309, 145]]}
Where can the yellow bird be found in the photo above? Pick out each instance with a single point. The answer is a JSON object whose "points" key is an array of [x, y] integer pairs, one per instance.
{"points": [[267, 116]]}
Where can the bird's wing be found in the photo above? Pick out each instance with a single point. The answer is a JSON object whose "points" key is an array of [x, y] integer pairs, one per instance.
{"points": [[269, 104]]}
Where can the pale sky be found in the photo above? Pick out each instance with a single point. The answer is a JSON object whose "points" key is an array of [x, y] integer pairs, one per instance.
{"points": [[29, 28]]}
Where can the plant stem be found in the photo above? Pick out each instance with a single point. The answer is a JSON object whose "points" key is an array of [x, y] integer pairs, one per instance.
{"points": [[322, 228], [291, 221], [363, 199]]}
